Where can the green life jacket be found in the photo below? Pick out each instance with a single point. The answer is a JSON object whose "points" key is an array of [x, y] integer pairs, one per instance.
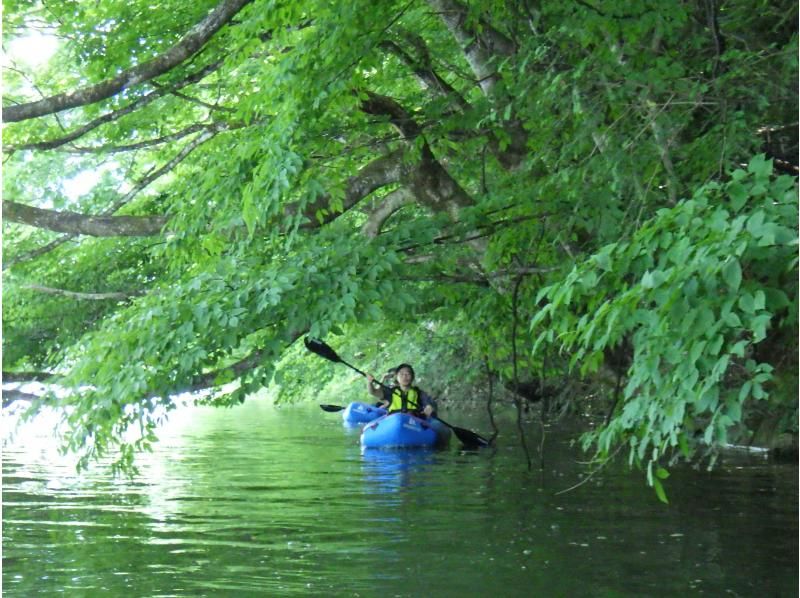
{"points": [[410, 402]]}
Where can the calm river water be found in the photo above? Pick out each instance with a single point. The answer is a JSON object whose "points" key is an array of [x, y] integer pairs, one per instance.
{"points": [[266, 501]]}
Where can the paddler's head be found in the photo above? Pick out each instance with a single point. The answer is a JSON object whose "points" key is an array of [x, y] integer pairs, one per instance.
{"points": [[404, 374]]}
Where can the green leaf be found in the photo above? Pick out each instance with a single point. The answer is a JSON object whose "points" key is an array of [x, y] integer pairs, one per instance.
{"points": [[739, 348], [683, 445], [697, 350], [760, 166], [759, 326], [732, 320], [738, 175], [738, 194], [589, 279], [759, 300], [249, 213], [734, 409], [651, 280], [705, 320], [715, 345], [746, 303], [744, 391], [732, 274], [776, 299], [603, 261], [755, 224], [659, 488]]}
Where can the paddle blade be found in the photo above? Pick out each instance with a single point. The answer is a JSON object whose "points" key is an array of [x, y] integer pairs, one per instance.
{"points": [[332, 408], [317, 346], [470, 439]]}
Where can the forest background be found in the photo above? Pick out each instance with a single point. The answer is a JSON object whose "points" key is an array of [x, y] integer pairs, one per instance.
{"points": [[581, 206]]}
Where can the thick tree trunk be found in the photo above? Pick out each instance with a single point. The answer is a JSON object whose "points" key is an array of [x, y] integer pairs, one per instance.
{"points": [[479, 47]]}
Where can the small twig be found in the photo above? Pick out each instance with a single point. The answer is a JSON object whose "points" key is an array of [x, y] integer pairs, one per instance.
{"points": [[719, 42], [489, 401], [113, 149], [188, 98], [591, 474], [517, 400], [617, 389]]}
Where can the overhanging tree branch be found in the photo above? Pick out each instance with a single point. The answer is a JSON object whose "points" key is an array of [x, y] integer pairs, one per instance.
{"points": [[12, 394], [211, 107], [179, 157], [386, 170], [434, 187], [22, 377], [189, 45], [428, 181], [82, 296], [398, 116], [237, 370], [481, 280], [383, 171], [80, 224], [114, 149], [115, 114], [423, 69], [144, 182], [388, 206]]}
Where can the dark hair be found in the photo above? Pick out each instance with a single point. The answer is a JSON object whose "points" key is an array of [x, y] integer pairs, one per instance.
{"points": [[410, 369]]}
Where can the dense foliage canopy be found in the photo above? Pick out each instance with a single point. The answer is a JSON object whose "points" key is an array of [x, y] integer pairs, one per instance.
{"points": [[556, 193]]}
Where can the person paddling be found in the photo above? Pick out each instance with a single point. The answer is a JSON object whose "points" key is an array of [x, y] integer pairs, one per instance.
{"points": [[404, 396]]}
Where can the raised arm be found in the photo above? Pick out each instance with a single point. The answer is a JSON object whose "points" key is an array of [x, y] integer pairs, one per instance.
{"points": [[373, 389]]}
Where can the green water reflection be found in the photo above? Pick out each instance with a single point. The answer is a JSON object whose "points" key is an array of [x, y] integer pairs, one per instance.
{"points": [[274, 502]]}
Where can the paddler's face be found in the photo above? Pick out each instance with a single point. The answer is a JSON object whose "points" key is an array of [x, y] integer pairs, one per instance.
{"points": [[404, 377]]}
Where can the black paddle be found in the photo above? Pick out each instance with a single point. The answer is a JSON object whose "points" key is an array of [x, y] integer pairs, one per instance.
{"points": [[467, 437]]}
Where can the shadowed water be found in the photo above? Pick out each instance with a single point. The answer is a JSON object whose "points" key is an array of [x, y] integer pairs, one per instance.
{"points": [[267, 501]]}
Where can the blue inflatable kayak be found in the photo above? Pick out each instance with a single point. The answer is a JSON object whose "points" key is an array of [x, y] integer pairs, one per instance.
{"points": [[400, 430], [360, 413]]}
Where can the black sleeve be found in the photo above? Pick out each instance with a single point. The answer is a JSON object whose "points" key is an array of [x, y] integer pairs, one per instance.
{"points": [[387, 393], [426, 399]]}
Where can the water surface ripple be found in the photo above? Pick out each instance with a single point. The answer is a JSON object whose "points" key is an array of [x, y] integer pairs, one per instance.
{"points": [[268, 501]]}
